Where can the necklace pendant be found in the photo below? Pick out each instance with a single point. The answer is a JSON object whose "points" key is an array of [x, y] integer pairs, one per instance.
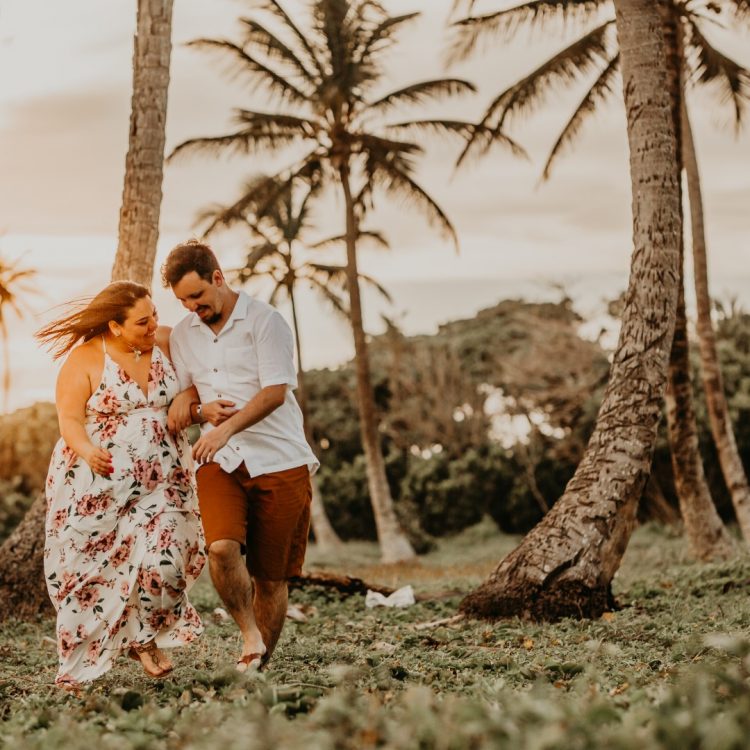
{"points": [[137, 353]]}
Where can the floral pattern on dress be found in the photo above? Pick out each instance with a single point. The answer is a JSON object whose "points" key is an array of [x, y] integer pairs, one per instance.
{"points": [[122, 551]]}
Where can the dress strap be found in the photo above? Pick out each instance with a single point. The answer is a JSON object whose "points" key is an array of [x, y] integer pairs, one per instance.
{"points": [[104, 344]]}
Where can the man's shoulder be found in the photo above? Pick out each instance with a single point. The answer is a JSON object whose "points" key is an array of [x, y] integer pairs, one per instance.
{"points": [[181, 329], [259, 312]]}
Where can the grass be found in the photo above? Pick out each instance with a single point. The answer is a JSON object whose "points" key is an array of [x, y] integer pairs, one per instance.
{"points": [[669, 669]]}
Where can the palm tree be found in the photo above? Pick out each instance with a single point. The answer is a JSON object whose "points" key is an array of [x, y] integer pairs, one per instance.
{"points": [[13, 283], [22, 589], [144, 164], [278, 227], [564, 566], [327, 79], [594, 56]]}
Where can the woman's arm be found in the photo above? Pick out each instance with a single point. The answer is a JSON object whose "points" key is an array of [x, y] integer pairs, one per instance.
{"points": [[72, 392]]}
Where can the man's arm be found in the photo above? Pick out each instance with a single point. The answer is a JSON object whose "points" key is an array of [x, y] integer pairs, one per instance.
{"points": [[266, 401]]}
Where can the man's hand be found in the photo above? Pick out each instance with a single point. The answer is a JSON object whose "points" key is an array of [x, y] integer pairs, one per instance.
{"points": [[178, 416], [218, 411], [208, 445]]}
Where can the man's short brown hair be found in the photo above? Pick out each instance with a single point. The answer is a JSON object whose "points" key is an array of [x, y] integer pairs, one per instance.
{"points": [[186, 257]]}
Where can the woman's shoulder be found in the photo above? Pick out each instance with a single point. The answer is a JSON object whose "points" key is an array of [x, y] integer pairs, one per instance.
{"points": [[162, 338], [89, 352]]}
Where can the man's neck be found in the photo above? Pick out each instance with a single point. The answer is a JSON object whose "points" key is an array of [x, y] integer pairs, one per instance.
{"points": [[227, 309]]}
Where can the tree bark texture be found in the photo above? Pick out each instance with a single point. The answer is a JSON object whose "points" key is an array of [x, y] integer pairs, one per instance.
{"points": [[734, 473], [707, 537], [564, 566], [144, 164], [23, 593], [325, 535], [394, 546]]}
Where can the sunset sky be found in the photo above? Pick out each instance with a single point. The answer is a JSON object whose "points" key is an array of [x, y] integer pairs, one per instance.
{"points": [[65, 86]]}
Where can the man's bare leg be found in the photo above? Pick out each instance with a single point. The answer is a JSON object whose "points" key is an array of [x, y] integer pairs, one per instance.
{"points": [[270, 603], [234, 585]]}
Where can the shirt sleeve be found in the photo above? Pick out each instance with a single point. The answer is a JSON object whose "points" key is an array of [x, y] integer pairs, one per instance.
{"points": [[178, 361], [275, 347]]}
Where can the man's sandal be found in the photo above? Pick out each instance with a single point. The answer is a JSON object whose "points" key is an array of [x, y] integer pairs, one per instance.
{"points": [[156, 656], [250, 662]]}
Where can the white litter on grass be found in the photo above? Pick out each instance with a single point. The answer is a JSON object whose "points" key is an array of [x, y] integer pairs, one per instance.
{"points": [[403, 597], [293, 612]]}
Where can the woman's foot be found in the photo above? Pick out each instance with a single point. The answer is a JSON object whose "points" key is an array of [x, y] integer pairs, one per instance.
{"points": [[154, 661]]}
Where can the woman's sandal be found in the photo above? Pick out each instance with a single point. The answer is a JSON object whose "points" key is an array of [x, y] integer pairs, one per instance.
{"points": [[155, 655]]}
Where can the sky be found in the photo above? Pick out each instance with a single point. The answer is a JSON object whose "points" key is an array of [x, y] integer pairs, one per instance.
{"points": [[65, 87]]}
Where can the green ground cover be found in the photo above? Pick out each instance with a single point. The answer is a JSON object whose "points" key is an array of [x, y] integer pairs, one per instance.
{"points": [[670, 669]]}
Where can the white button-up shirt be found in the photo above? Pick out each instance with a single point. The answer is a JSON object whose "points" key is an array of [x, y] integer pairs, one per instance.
{"points": [[254, 350]]}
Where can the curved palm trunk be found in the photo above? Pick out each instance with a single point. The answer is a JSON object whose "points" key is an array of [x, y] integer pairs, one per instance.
{"points": [[142, 193], [564, 566], [23, 591], [394, 546], [325, 535], [707, 537], [718, 411]]}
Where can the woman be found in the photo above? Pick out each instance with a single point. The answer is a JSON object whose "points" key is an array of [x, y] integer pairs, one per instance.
{"points": [[123, 535]]}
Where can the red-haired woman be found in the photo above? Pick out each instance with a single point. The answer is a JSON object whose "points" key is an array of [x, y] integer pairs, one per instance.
{"points": [[123, 535]]}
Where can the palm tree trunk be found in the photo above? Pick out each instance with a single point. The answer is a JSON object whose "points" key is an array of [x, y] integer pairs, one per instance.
{"points": [[564, 566], [394, 546], [6, 361], [142, 193], [23, 591], [718, 411], [325, 535], [706, 534]]}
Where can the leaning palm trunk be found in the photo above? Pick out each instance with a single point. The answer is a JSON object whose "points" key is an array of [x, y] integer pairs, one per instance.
{"points": [[564, 566], [23, 590], [716, 403], [142, 193], [707, 537], [394, 546], [325, 535]]}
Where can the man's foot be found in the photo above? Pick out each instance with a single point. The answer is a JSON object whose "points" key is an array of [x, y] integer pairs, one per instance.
{"points": [[154, 661], [252, 658]]}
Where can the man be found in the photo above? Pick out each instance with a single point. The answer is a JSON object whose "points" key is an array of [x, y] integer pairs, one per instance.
{"points": [[254, 476]]}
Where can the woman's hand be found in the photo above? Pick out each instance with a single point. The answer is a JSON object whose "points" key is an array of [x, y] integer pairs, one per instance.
{"points": [[99, 459], [218, 411]]}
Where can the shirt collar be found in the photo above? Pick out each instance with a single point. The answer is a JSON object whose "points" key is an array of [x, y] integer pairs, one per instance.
{"points": [[239, 312]]}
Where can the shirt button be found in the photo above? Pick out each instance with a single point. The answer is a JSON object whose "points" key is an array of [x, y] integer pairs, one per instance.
{"points": [[215, 340], [215, 370]]}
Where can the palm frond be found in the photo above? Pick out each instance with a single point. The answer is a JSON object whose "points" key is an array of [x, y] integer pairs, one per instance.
{"points": [[275, 8], [275, 49], [419, 93], [380, 37], [370, 281], [740, 9], [710, 66], [393, 176], [503, 24], [336, 300], [375, 237], [261, 75], [601, 89], [263, 131]]}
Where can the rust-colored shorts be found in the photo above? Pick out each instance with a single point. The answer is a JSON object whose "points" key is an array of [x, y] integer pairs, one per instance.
{"points": [[269, 515]]}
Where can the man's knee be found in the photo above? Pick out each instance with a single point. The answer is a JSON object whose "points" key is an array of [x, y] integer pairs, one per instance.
{"points": [[225, 553], [270, 589]]}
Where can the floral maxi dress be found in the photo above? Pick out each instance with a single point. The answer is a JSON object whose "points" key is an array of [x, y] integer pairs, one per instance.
{"points": [[122, 551]]}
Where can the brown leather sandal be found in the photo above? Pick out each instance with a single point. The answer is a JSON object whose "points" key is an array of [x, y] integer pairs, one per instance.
{"points": [[250, 662], [156, 656]]}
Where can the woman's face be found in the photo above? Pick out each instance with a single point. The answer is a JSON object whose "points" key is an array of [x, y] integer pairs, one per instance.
{"points": [[139, 327]]}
